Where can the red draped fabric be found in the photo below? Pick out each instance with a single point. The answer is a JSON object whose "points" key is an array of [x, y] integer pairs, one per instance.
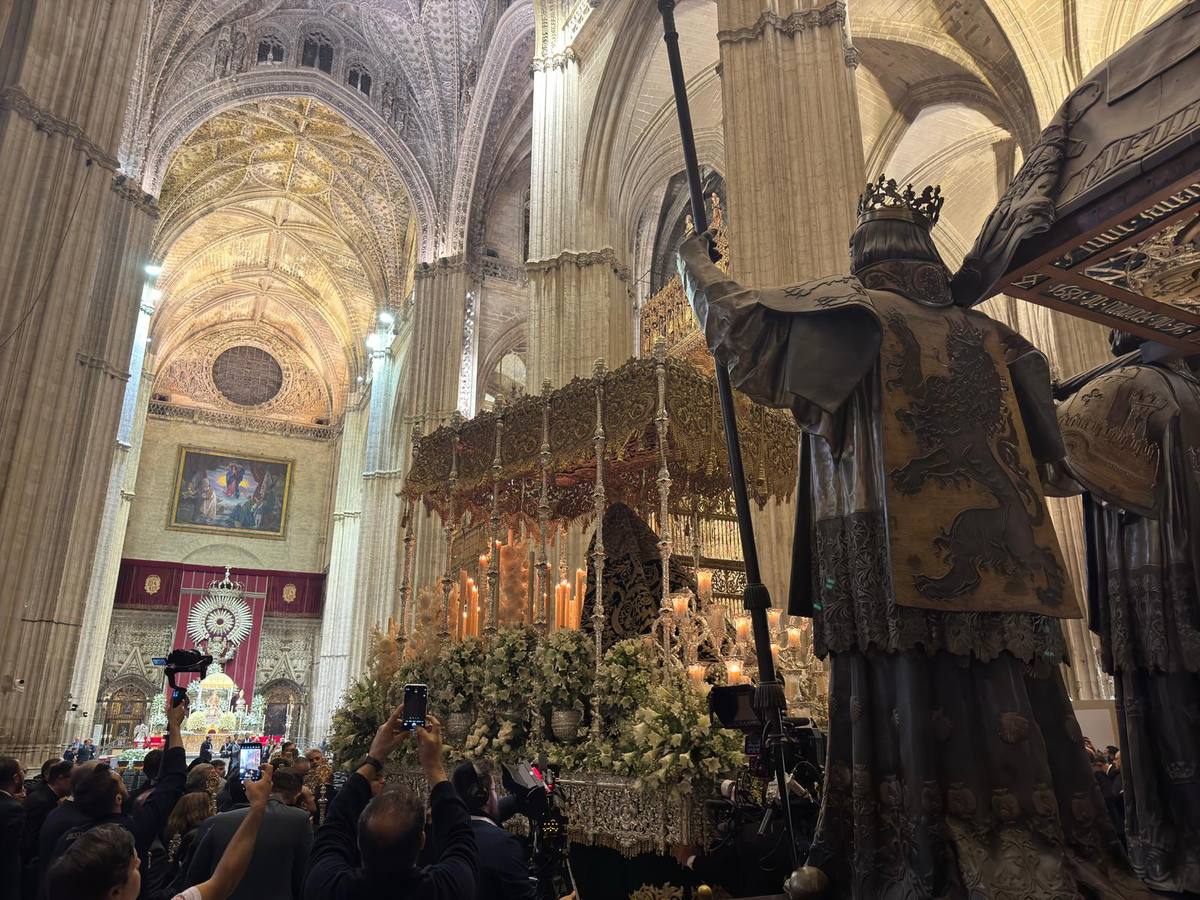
{"points": [[193, 588], [154, 585]]}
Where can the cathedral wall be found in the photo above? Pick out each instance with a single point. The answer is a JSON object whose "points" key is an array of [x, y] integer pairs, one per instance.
{"points": [[304, 546]]}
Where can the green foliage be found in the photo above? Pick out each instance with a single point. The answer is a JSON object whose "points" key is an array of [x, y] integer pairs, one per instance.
{"points": [[566, 662], [657, 726], [457, 679], [508, 669], [228, 722], [628, 671]]}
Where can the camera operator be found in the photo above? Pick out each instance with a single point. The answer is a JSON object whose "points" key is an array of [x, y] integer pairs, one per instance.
{"points": [[743, 861], [503, 870]]}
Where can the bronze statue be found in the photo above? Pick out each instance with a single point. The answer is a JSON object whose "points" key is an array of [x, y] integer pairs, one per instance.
{"points": [[1133, 442], [956, 767]]}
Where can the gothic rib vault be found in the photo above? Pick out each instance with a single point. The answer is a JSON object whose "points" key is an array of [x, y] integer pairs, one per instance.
{"points": [[283, 228]]}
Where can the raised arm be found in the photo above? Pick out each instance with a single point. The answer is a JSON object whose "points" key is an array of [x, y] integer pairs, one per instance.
{"points": [[150, 817], [236, 859], [802, 348]]}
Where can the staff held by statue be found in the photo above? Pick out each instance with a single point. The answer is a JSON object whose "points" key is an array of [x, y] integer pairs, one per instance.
{"points": [[769, 696]]}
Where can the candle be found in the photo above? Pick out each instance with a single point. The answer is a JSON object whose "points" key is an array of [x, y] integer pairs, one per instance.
{"points": [[773, 616], [741, 628], [695, 673], [733, 671], [793, 637], [580, 585], [679, 604], [704, 584]]}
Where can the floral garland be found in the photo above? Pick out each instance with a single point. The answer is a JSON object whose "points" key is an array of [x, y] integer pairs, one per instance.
{"points": [[656, 724]]}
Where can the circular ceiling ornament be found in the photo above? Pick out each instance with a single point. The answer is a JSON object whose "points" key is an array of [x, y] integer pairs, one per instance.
{"points": [[247, 375]]}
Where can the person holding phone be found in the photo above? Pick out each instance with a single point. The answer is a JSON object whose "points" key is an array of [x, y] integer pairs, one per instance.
{"points": [[103, 864], [385, 829]]}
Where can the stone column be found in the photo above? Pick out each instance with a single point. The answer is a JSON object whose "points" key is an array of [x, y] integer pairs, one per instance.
{"points": [[794, 169], [793, 143], [340, 642], [383, 465], [88, 668], [72, 244], [431, 392], [581, 305]]}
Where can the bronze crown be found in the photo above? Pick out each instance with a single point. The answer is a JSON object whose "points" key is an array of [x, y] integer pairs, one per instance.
{"points": [[883, 199]]}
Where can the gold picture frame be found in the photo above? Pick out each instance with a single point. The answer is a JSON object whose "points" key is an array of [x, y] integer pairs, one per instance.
{"points": [[207, 499]]}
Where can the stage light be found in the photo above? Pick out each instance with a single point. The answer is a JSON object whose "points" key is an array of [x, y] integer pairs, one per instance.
{"points": [[153, 270], [386, 318]]}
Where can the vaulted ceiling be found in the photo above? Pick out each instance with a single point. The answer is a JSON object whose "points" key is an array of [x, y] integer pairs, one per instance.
{"points": [[282, 228]]}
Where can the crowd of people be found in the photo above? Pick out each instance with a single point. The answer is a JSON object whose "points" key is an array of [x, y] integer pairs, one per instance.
{"points": [[194, 832]]}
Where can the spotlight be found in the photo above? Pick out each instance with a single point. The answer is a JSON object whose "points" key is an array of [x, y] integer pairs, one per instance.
{"points": [[386, 318], [153, 270]]}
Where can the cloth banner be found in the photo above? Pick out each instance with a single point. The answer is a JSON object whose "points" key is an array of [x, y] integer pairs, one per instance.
{"points": [[192, 589]]}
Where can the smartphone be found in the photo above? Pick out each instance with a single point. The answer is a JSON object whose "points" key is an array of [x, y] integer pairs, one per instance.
{"points": [[416, 700], [178, 695], [250, 761]]}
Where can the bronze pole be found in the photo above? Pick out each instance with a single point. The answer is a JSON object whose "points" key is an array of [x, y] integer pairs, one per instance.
{"points": [[768, 697]]}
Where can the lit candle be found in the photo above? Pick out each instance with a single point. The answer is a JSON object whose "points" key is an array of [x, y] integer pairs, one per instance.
{"points": [[733, 671], [741, 628], [695, 674], [793, 637], [679, 604], [773, 616], [704, 585]]}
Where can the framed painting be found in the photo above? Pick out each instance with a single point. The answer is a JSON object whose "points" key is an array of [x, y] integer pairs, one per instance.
{"points": [[226, 493]]}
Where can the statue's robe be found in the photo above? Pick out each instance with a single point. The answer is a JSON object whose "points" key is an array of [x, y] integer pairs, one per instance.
{"points": [[1133, 441], [956, 766]]}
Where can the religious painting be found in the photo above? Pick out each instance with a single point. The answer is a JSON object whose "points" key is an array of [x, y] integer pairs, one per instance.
{"points": [[223, 493]]}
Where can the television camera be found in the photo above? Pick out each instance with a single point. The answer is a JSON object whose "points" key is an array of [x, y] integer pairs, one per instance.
{"points": [[537, 795], [750, 854], [179, 662]]}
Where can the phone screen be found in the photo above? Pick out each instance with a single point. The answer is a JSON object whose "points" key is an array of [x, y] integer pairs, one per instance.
{"points": [[416, 699], [178, 695], [250, 761]]}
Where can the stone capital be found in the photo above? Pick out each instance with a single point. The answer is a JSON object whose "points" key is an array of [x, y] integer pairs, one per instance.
{"points": [[15, 99], [553, 61], [581, 259], [801, 20]]}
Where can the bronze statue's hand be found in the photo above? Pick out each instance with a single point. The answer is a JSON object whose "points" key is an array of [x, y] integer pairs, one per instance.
{"points": [[709, 238]]}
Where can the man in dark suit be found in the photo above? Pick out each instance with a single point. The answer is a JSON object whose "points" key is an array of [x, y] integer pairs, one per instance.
{"points": [[12, 820], [503, 869], [368, 847], [40, 802], [276, 870], [206, 749], [99, 797]]}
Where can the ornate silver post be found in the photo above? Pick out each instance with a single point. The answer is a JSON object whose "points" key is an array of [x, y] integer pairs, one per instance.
{"points": [[450, 526], [494, 550], [599, 440], [410, 538], [543, 593], [664, 479]]}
